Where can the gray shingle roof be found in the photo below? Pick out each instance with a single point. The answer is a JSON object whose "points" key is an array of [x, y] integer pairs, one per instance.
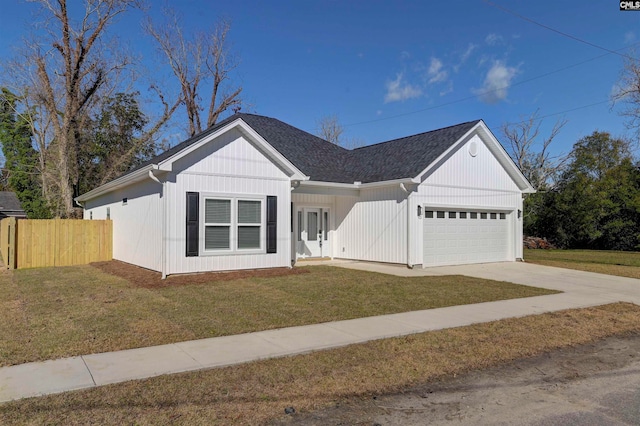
{"points": [[323, 161], [9, 202], [405, 157]]}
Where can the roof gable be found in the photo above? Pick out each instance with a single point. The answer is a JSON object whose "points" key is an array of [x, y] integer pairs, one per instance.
{"points": [[310, 157]]}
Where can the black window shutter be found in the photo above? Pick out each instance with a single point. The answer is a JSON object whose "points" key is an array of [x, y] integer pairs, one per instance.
{"points": [[193, 220], [272, 224]]}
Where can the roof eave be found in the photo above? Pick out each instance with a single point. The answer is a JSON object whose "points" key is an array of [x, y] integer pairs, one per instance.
{"points": [[392, 182], [245, 128], [166, 165], [359, 185], [446, 153], [480, 127], [118, 183], [516, 174]]}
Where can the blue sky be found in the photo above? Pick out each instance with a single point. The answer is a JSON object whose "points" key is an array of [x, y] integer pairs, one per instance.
{"points": [[389, 69]]}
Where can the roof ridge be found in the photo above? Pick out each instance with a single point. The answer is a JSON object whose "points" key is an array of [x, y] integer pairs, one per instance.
{"points": [[417, 134]]}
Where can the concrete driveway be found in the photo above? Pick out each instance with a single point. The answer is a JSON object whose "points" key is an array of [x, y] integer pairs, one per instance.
{"points": [[579, 284]]}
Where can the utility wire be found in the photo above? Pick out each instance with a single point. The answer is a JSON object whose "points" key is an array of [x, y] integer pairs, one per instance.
{"points": [[524, 18], [554, 114], [375, 120]]}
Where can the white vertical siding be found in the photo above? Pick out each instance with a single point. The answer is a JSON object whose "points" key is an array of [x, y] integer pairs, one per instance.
{"points": [[231, 154], [312, 199], [373, 226], [229, 165], [481, 171], [465, 181], [137, 226]]}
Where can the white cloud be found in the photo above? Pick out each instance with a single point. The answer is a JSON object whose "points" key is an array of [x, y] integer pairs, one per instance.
{"points": [[465, 55], [435, 72], [399, 90], [496, 83], [629, 37], [405, 55], [379, 112], [447, 89], [493, 39]]}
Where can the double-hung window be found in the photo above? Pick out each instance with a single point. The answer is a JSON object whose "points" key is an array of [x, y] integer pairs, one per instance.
{"points": [[249, 224], [232, 224], [217, 224]]}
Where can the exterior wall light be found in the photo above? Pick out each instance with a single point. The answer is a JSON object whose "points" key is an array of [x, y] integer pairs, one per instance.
{"points": [[419, 211]]}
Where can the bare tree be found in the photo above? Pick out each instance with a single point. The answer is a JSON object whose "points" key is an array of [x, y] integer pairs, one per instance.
{"points": [[627, 91], [63, 75], [330, 129], [200, 60], [531, 155]]}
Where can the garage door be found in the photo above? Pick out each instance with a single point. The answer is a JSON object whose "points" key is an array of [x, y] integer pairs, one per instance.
{"points": [[454, 237]]}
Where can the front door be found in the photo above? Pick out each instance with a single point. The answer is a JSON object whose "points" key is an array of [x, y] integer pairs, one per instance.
{"points": [[313, 232]]}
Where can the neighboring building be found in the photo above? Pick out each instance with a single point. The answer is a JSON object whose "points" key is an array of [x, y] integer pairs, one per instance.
{"points": [[254, 192], [10, 205]]}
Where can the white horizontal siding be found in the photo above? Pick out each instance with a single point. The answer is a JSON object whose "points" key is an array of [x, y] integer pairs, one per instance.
{"points": [[372, 227], [137, 226]]}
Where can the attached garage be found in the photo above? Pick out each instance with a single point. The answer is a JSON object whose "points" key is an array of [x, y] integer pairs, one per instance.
{"points": [[444, 197], [460, 236]]}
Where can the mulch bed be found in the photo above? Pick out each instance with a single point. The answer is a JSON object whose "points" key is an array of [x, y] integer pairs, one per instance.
{"points": [[141, 277]]}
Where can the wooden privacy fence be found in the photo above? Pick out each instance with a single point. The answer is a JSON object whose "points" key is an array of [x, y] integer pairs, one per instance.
{"points": [[34, 243]]}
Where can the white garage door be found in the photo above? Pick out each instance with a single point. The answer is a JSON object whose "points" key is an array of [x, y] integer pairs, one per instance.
{"points": [[454, 237]]}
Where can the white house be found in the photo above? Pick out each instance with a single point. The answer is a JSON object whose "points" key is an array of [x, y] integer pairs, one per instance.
{"points": [[254, 192]]}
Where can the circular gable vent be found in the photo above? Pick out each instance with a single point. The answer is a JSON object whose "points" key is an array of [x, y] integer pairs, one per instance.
{"points": [[473, 148]]}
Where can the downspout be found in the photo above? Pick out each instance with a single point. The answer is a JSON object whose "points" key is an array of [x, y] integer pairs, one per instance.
{"points": [[163, 245], [404, 188], [292, 250]]}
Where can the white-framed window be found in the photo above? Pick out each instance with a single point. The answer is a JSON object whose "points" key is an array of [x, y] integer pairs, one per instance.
{"points": [[232, 224]]}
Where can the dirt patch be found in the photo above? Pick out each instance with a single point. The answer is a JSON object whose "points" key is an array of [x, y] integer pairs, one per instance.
{"points": [[595, 383], [145, 278]]}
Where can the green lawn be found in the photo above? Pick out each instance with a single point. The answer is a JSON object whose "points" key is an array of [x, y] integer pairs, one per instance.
{"points": [[50, 313], [621, 263]]}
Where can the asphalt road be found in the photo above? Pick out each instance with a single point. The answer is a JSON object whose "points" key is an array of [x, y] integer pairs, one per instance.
{"points": [[595, 384]]}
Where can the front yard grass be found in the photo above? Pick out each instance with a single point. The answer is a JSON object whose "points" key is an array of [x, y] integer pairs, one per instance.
{"points": [[621, 263], [50, 313], [258, 393]]}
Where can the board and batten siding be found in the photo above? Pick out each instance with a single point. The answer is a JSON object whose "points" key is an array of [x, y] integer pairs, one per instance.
{"points": [[372, 226], [465, 182], [137, 225], [228, 165]]}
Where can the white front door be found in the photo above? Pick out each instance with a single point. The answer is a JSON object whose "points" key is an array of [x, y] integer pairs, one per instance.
{"points": [[313, 232]]}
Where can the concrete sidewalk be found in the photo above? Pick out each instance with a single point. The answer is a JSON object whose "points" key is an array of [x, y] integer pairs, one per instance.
{"points": [[581, 289]]}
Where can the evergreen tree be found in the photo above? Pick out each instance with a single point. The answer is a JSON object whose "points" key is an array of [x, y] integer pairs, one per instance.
{"points": [[21, 169]]}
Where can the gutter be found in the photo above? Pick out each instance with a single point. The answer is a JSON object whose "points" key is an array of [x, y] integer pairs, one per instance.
{"points": [[358, 184]]}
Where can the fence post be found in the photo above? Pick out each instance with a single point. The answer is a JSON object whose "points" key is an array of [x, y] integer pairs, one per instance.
{"points": [[12, 231]]}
